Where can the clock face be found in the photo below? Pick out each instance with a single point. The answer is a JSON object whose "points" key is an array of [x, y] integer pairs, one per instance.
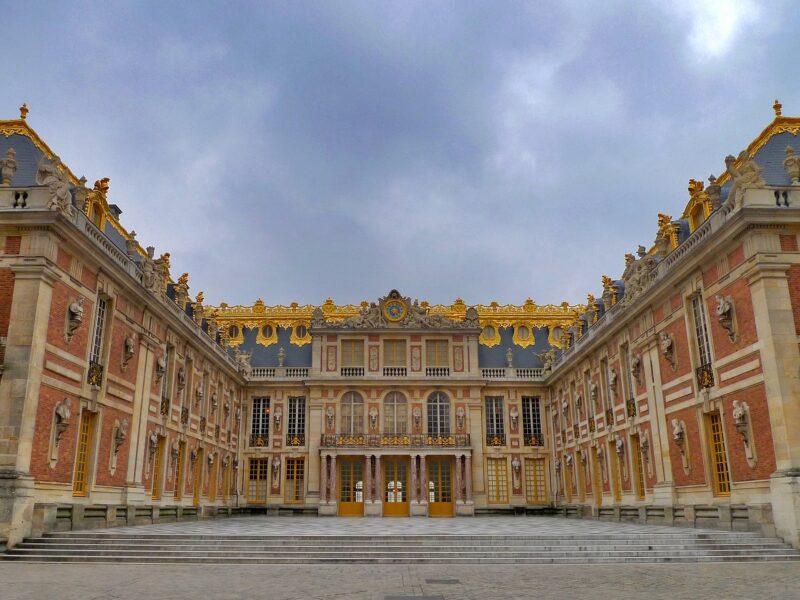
{"points": [[395, 310]]}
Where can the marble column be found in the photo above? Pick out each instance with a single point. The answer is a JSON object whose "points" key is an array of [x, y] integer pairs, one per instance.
{"points": [[468, 477], [367, 479], [332, 479], [423, 481], [458, 478], [414, 488], [377, 496], [323, 478]]}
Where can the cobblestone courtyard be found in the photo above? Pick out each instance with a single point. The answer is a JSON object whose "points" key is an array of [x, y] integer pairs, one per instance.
{"points": [[311, 582]]}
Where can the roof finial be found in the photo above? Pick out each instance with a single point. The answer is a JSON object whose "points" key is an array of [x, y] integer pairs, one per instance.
{"points": [[777, 108], [23, 111]]}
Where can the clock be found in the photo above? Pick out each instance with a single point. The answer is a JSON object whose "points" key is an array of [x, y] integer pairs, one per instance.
{"points": [[395, 310]]}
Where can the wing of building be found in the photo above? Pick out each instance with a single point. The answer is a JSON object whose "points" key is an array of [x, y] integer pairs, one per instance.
{"points": [[670, 396]]}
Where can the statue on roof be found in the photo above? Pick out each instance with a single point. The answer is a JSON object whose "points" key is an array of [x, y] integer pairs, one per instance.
{"points": [[8, 166], [51, 176], [792, 165], [745, 176]]}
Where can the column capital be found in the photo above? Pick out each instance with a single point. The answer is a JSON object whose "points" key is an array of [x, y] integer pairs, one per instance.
{"points": [[39, 270]]}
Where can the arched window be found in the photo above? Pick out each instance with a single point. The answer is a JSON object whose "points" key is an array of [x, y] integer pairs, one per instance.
{"points": [[438, 414], [352, 413], [395, 411]]}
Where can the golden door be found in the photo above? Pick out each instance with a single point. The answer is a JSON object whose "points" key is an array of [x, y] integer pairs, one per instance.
{"points": [[440, 486], [395, 486], [351, 486]]}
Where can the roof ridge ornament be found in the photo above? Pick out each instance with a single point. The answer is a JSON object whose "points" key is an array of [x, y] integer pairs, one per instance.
{"points": [[23, 111], [777, 108]]}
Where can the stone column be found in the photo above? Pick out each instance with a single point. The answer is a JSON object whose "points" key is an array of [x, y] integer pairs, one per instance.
{"points": [[378, 481], [367, 479], [315, 419], [323, 480], [468, 478], [19, 394], [334, 492], [423, 481], [458, 479], [134, 488], [414, 484]]}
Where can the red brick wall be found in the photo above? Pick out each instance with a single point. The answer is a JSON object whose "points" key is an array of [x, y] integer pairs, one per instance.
{"points": [[789, 243], [677, 329], [13, 244], [745, 326], [736, 257], [119, 331], [106, 432], [40, 467], [62, 297], [756, 399], [697, 456]]}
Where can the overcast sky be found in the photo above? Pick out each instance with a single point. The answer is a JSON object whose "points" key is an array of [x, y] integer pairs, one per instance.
{"points": [[485, 150]]}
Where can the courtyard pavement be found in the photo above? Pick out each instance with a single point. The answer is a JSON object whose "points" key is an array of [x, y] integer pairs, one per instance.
{"points": [[714, 581]]}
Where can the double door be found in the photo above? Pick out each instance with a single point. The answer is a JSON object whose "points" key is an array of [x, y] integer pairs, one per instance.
{"points": [[351, 486], [440, 486], [395, 486]]}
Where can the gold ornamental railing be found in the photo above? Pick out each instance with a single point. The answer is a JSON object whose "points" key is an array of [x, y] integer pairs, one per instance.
{"points": [[364, 440]]}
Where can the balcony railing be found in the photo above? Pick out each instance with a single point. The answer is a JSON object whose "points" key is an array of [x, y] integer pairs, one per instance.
{"points": [[533, 440], [496, 440], [363, 440], [295, 439], [705, 376], [395, 371], [258, 440], [352, 372], [437, 371], [279, 372], [95, 375], [512, 373]]}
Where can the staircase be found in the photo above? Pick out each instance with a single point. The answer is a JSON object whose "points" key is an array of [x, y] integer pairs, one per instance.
{"points": [[679, 546]]}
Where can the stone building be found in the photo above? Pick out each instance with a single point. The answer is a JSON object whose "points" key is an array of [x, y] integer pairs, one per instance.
{"points": [[670, 396]]}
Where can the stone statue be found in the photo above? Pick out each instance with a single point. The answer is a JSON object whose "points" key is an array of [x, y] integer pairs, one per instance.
{"points": [[181, 378], [330, 416], [612, 379], [417, 414], [120, 434], [278, 418], [714, 191], [243, 361], [149, 277], [373, 417], [317, 318], [636, 367], [61, 417], [740, 419], [619, 444], [678, 432], [548, 358], [792, 165], [8, 166], [128, 347], [152, 443], [74, 317], [725, 315], [667, 348], [51, 176], [593, 391], [746, 175], [516, 466], [281, 356], [199, 393], [461, 415], [514, 414], [510, 358]]}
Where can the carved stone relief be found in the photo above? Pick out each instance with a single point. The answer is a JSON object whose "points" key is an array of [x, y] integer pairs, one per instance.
{"points": [[743, 424], [667, 345], [74, 318], [61, 420], [725, 315]]}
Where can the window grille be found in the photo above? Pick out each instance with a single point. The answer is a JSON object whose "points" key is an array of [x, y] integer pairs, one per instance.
{"points": [[495, 427], [532, 421], [395, 413], [352, 408], [701, 330], [438, 414], [259, 431], [296, 426], [99, 327]]}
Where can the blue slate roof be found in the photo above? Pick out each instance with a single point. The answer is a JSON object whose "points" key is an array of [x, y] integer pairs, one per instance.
{"points": [[28, 157], [495, 357], [267, 356]]}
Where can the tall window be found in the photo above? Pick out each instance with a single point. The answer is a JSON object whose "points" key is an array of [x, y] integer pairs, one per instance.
{"points": [[179, 466], [535, 481], [296, 426], [436, 354], [636, 448], [85, 433], [352, 353], [701, 330], [395, 413], [495, 429], [352, 413], [531, 421], [258, 480], [604, 382], [259, 429], [497, 481], [719, 459], [626, 367], [158, 461], [99, 328], [295, 474], [394, 353], [438, 414]]}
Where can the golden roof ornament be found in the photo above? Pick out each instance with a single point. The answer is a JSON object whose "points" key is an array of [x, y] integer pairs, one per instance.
{"points": [[777, 108], [23, 111]]}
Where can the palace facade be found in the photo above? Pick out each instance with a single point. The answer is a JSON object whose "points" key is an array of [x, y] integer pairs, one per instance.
{"points": [[670, 396]]}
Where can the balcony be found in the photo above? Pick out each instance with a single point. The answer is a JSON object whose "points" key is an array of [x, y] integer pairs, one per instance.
{"points": [[437, 371], [363, 440], [258, 440], [261, 373], [164, 405], [95, 374], [395, 371], [295, 439], [352, 372], [522, 374], [533, 440], [496, 440], [705, 376]]}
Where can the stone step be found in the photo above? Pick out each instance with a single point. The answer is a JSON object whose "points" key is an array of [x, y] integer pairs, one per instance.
{"points": [[75, 558]]}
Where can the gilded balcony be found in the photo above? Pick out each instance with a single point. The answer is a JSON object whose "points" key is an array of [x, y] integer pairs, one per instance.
{"points": [[402, 440]]}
